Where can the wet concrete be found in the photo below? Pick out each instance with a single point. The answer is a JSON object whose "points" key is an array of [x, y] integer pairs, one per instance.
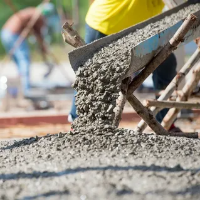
{"points": [[117, 165]]}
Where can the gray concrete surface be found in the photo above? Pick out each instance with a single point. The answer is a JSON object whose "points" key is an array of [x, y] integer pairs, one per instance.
{"points": [[116, 165]]}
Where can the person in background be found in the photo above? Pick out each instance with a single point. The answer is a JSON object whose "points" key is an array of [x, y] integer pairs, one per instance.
{"points": [[107, 17], [11, 32]]}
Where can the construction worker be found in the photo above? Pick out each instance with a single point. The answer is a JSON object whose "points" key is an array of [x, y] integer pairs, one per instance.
{"points": [[107, 17], [11, 33]]}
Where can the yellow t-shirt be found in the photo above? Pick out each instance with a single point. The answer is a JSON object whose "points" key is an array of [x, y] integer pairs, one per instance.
{"points": [[112, 16]]}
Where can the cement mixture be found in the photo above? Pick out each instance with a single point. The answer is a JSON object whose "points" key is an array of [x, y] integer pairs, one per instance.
{"points": [[117, 165], [96, 160]]}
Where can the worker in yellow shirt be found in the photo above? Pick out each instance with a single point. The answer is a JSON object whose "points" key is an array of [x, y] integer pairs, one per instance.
{"points": [[106, 17], [112, 16]]}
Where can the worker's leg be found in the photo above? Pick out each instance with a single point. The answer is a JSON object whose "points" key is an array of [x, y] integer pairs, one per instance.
{"points": [[22, 59], [20, 56], [8, 39], [162, 76], [90, 35]]}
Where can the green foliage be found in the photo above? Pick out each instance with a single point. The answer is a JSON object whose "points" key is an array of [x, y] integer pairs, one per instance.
{"points": [[6, 11], [83, 10]]}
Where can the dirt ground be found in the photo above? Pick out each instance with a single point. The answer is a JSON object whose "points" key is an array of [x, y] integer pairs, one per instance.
{"points": [[117, 165], [25, 131]]}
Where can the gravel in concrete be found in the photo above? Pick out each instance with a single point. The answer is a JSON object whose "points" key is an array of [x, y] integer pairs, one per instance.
{"points": [[116, 165]]}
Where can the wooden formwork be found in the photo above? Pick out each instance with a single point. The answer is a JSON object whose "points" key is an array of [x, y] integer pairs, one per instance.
{"points": [[148, 115], [129, 86]]}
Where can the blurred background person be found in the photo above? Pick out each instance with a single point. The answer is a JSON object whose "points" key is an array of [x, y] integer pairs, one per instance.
{"points": [[11, 31]]}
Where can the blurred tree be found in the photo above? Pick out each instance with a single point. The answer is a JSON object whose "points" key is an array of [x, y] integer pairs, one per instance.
{"points": [[66, 6]]}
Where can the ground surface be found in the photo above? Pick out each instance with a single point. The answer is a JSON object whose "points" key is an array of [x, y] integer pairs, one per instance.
{"points": [[113, 166], [25, 131]]}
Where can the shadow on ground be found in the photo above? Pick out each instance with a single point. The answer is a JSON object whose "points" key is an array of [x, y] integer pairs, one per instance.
{"points": [[193, 190], [21, 143], [48, 194], [47, 174]]}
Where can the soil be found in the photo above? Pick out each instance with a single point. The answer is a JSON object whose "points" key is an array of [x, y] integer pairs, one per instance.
{"points": [[117, 165]]}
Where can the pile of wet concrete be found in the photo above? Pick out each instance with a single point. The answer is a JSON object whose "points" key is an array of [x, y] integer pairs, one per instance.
{"points": [[109, 166]]}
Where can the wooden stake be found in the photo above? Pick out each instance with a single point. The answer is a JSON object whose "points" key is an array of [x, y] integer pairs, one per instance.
{"points": [[173, 95], [160, 57], [172, 86], [163, 54], [172, 104], [71, 36], [146, 115], [187, 90], [121, 101], [187, 135]]}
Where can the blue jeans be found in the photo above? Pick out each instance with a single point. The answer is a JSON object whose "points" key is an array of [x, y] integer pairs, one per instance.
{"points": [[21, 56], [162, 76]]}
